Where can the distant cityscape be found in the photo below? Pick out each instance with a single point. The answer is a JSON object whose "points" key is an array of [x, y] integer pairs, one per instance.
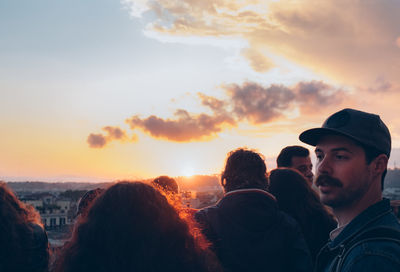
{"points": [[57, 202]]}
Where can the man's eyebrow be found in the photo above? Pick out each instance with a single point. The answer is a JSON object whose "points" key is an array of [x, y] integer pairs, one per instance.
{"points": [[341, 149], [336, 150]]}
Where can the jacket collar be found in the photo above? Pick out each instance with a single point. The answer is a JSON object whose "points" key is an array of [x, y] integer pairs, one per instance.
{"points": [[246, 191], [362, 221]]}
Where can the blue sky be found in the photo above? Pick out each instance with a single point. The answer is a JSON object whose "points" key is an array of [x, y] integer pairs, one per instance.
{"points": [[68, 69]]}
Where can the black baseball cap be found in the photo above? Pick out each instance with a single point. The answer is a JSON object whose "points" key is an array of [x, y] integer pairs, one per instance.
{"points": [[363, 127]]}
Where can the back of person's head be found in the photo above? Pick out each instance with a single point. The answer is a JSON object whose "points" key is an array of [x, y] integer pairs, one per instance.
{"points": [[15, 211], [166, 184], [16, 226], [284, 158], [244, 169], [131, 227], [87, 199], [289, 187], [294, 195]]}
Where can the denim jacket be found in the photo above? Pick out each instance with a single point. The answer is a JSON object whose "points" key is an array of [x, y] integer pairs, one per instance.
{"points": [[372, 255]]}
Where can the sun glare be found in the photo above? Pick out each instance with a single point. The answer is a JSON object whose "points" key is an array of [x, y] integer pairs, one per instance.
{"points": [[187, 171]]}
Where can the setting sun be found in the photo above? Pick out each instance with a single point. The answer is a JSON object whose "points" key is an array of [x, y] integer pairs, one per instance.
{"points": [[187, 171]]}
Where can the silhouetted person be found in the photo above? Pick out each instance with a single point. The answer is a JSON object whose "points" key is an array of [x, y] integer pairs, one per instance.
{"points": [[169, 187], [23, 241], [248, 231], [299, 200], [87, 199], [166, 184], [296, 157], [352, 149], [132, 227]]}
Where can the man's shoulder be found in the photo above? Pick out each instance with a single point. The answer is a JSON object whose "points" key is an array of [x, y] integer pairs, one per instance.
{"points": [[372, 263], [376, 255], [372, 235], [202, 214], [375, 247]]}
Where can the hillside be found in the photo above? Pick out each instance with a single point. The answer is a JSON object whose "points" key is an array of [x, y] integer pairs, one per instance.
{"points": [[195, 183]]}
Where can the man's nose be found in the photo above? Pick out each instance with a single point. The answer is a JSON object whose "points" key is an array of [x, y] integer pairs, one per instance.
{"points": [[324, 166]]}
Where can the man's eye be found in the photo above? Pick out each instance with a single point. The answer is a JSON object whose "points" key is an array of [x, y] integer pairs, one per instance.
{"points": [[340, 157], [319, 157]]}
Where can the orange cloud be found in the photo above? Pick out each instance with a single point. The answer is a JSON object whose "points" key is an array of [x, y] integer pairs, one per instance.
{"points": [[216, 105], [185, 127], [112, 133], [250, 102], [96, 140], [258, 104], [317, 95], [115, 133]]}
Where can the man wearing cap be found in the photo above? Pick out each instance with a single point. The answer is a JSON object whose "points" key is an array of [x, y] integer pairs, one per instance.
{"points": [[352, 149]]}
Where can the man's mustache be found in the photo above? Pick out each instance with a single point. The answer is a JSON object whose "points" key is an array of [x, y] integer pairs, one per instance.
{"points": [[325, 180]]}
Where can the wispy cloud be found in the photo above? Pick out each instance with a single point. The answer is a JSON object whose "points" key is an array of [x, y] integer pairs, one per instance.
{"points": [[381, 85], [250, 102], [350, 41], [259, 62]]}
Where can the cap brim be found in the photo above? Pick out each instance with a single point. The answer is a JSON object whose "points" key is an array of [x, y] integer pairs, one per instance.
{"points": [[312, 136]]}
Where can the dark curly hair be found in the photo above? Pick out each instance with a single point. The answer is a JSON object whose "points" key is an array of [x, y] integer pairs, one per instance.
{"points": [[132, 227], [87, 199], [284, 158], [244, 169], [23, 242], [166, 184], [297, 198]]}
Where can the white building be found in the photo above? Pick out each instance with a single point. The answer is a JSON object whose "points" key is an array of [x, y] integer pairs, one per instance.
{"points": [[53, 211]]}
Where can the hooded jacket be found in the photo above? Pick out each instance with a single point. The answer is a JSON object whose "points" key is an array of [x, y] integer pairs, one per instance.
{"points": [[250, 233]]}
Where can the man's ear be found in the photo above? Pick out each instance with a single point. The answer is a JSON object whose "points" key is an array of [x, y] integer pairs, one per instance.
{"points": [[379, 164]]}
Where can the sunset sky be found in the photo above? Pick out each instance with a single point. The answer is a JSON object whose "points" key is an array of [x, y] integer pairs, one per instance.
{"points": [[106, 89]]}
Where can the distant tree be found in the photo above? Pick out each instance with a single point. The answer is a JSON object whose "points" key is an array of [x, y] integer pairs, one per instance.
{"points": [[73, 194]]}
